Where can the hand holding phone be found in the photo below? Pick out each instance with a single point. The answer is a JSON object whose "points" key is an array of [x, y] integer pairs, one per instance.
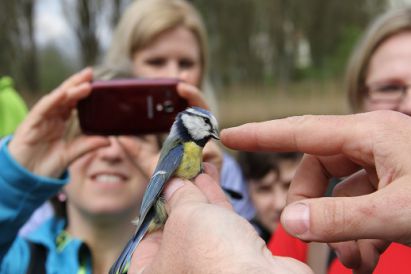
{"points": [[130, 107]]}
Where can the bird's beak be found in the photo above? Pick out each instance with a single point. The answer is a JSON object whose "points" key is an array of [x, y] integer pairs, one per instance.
{"points": [[215, 135]]}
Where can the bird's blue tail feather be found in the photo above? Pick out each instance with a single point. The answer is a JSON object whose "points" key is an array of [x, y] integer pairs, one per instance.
{"points": [[122, 264]]}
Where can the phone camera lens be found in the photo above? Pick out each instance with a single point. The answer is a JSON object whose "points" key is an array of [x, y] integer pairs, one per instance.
{"points": [[168, 106]]}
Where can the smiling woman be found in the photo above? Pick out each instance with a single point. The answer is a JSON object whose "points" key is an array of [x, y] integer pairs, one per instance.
{"points": [[102, 191], [103, 183], [106, 183]]}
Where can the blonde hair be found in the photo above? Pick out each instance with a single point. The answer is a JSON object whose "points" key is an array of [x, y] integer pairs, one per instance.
{"points": [[385, 26], [142, 22]]}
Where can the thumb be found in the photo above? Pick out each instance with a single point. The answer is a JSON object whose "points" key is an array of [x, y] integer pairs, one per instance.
{"points": [[335, 219], [180, 192]]}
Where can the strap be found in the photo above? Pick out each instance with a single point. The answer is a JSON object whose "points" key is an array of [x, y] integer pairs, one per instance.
{"points": [[233, 194], [38, 256]]}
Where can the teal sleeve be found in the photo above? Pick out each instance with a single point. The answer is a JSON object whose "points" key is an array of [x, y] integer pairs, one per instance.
{"points": [[21, 192]]}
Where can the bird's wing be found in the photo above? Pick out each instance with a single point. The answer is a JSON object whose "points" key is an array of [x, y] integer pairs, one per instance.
{"points": [[166, 166], [170, 159]]}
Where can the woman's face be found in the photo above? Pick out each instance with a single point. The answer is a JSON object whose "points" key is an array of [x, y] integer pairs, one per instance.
{"points": [[105, 182], [389, 75], [173, 54]]}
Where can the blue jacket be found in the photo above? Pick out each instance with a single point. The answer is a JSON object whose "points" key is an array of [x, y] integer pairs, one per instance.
{"points": [[21, 192]]}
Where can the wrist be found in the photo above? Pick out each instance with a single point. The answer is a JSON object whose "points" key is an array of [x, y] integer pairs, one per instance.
{"points": [[27, 165], [17, 152]]}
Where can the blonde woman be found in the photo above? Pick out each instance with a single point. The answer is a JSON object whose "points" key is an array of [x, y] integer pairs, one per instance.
{"points": [[162, 38], [101, 193]]}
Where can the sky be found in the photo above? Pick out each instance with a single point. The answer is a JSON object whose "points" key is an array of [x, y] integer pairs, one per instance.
{"points": [[49, 23], [399, 2], [51, 27]]}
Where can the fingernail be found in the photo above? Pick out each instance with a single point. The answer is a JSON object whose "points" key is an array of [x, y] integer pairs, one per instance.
{"points": [[83, 70], [296, 218], [172, 186]]}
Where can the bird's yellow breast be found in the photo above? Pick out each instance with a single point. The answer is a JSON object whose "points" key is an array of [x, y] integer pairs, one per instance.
{"points": [[190, 165]]}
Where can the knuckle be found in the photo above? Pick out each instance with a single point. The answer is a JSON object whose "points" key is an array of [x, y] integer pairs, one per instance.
{"points": [[299, 120], [332, 221]]}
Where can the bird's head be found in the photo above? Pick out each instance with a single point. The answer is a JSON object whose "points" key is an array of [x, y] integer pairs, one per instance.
{"points": [[197, 125]]}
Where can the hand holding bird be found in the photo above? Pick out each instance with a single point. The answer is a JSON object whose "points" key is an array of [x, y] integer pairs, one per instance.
{"points": [[181, 156]]}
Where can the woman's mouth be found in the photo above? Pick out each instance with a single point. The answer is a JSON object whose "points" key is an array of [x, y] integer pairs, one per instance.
{"points": [[109, 178]]}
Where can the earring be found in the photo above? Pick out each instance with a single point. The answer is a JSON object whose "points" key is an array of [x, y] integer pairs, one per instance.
{"points": [[61, 196]]}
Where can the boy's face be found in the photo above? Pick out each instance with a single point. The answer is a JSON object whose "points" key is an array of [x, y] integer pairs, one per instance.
{"points": [[269, 194]]}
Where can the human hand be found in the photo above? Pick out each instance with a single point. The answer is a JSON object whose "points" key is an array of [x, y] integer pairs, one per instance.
{"points": [[203, 235], [371, 151], [42, 143], [143, 152], [192, 94]]}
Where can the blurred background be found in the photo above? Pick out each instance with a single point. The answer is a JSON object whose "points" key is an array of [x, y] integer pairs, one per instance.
{"points": [[269, 58]]}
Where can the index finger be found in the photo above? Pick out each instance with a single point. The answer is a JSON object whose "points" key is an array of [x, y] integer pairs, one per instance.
{"points": [[65, 96], [319, 135]]}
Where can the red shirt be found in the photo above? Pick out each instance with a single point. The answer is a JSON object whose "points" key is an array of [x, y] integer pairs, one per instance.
{"points": [[396, 259], [282, 244]]}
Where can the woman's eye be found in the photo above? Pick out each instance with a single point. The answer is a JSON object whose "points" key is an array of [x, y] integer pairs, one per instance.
{"points": [[186, 63], [390, 88], [157, 62]]}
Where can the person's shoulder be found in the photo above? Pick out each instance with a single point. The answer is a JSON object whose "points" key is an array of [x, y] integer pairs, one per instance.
{"points": [[47, 232], [16, 258], [52, 237]]}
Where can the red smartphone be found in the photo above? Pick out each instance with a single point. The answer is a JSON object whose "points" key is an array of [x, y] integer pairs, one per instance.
{"points": [[130, 107]]}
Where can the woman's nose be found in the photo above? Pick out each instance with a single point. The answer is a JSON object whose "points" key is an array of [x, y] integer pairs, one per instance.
{"points": [[113, 152], [173, 70]]}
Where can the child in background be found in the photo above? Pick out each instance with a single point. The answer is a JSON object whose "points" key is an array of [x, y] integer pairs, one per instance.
{"points": [[268, 177]]}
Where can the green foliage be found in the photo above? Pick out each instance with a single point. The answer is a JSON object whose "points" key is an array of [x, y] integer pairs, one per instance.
{"points": [[17, 48], [334, 63], [330, 26], [251, 42]]}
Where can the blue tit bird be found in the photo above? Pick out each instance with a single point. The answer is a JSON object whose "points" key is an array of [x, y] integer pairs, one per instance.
{"points": [[181, 156]]}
